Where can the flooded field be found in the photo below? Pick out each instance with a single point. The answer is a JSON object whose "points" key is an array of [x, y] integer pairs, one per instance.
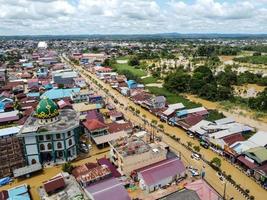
{"points": [[248, 90], [240, 115]]}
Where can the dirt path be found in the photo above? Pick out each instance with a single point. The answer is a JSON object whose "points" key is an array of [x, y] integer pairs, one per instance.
{"points": [[159, 85], [238, 114]]}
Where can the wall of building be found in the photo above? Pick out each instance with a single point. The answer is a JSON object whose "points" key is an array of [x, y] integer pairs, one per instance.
{"points": [[33, 145]]}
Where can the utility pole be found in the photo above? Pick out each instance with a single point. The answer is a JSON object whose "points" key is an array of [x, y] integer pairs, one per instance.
{"points": [[224, 191]]}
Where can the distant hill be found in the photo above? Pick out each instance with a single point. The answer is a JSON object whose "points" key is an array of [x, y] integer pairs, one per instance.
{"points": [[137, 36]]}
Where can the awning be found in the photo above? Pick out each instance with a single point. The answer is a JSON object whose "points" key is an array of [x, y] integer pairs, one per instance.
{"points": [[246, 162]]}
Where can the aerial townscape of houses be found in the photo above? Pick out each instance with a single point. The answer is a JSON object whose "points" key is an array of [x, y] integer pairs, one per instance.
{"points": [[51, 115]]}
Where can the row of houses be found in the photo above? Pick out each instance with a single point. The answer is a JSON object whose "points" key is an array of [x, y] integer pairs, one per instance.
{"points": [[228, 138]]}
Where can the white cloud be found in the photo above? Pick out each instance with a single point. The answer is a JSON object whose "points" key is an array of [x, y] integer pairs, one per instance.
{"points": [[131, 16]]}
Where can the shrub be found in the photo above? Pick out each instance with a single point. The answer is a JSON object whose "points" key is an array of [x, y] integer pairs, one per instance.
{"points": [[67, 167]]}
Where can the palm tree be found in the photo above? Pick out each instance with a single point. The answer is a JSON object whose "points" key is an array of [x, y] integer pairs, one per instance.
{"points": [[189, 144], [216, 161], [196, 148], [137, 111], [154, 122], [161, 126]]}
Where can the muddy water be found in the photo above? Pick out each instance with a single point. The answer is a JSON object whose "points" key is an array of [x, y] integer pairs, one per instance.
{"points": [[247, 117]]}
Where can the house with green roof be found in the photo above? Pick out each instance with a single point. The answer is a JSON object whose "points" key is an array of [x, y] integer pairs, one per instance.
{"points": [[258, 154]]}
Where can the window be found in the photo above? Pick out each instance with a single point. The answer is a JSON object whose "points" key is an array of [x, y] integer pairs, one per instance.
{"points": [[33, 161], [69, 133], [48, 137], [58, 136], [41, 137], [70, 142], [49, 146], [42, 147], [59, 145]]}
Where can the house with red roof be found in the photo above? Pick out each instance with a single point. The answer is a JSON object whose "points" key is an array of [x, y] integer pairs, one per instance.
{"points": [[94, 128], [115, 115], [54, 184], [91, 173], [115, 127]]}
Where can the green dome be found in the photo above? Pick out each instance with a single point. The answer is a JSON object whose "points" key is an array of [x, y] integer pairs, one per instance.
{"points": [[46, 109]]}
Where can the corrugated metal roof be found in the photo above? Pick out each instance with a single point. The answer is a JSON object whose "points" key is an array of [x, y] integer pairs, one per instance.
{"points": [[204, 191], [110, 189], [10, 130], [157, 172], [172, 108], [259, 138], [226, 120]]}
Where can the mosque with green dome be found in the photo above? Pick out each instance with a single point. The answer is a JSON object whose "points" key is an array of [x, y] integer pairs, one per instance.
{"points": [[50, 135]]}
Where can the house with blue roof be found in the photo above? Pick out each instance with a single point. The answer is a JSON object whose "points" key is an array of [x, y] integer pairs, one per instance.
{"points": [[42, 72], [57, 93], [132, 84], [20, 192], [3, 102], [2, 107], [33, 94], [27, 65]]}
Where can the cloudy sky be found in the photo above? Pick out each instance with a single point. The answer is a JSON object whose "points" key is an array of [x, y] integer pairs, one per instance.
{"points": [[35, 17]]}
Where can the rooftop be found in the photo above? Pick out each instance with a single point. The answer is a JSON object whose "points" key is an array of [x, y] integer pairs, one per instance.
{"points": [[182, 195], [10, 130], [159, 171], [67, 119], [259, 138], [57, 93], [54, 184], [94, 125], [86, 174], [257, 153], [19, 192], [128, 146], [83, 107], [204, 191], [110, 189]]}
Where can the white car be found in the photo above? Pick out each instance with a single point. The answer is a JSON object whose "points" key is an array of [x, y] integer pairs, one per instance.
{"points": [[191, 135], [195, 156], [194, 172]]}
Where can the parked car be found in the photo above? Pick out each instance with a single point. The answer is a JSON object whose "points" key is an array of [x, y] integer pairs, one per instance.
{"points": [[204, 144], [191, 135], [83, 148], [193, 171], [195, 156]]}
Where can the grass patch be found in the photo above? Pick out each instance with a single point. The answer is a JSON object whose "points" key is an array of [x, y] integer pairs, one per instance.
{"points": [[252, 59], [248, 135], [149, 80], [137, 72], [214, 115], [172, 97], [123, 58]]}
